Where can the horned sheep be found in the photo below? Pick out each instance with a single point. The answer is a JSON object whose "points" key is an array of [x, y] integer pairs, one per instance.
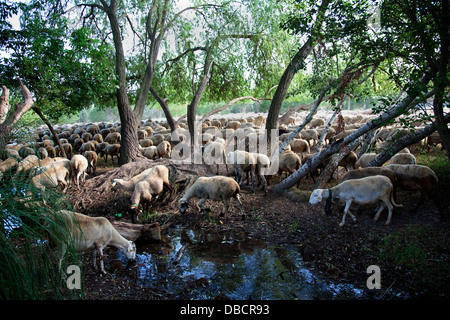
{"points": [[214, 188], [366, 190]]}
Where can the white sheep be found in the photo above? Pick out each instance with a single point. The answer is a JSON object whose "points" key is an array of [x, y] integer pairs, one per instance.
{"points": [[50, 179], [150, 152], [129, 184], [403, 158], [78, 167], [365, 159], [92, 232], [214, 188], [153, 184], [366, 190]]}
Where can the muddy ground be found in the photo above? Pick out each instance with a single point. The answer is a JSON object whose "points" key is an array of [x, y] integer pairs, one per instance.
{"points": [[412, 252]]}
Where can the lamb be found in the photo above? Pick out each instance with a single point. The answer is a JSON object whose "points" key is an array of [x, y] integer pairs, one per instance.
{"points": [[366, 190], [214, 188], [88, 232], [50, 179], [403, 158], [92, 159], [413, 177], [78, 167], [153, 184], [242, 161]]}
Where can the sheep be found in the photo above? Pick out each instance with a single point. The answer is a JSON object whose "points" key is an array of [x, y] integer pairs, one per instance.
{"points": [[261, 169], [152, 184], [413, 177], [164, 149], [288, 162], [214, 188], [112, 150], [300, 146], [25, 166], [150, 152], [92, 159], [7, 165], [113, 138], [78, 167], [310, 134], [214, 151], [242, 162], [88, 232], [366, 190], [403, 158], [365, 159], [50, 179]]}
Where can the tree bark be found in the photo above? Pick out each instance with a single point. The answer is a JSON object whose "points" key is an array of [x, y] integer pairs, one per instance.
{"points": [[129, 146], [296, 64], [8, 121]]}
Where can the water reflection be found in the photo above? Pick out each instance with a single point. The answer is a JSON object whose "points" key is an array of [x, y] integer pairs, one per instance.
{"points": [[233, 264]]}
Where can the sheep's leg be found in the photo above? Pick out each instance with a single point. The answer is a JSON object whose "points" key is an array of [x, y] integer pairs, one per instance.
{"points": [[201, 202], [264, 182], [390, 207], [238, 201], [226, 203], [102, 265], [252, 174], [346, 210], [380, 209]]}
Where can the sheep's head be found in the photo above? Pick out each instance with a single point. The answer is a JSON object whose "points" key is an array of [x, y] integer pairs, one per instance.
{"points": [[316, 196], [183, 205], [130, 251]]}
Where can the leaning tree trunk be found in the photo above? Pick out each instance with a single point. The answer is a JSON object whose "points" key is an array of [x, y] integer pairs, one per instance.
{"points": [[7, 122], [336, 146], [50, 127], [406, 141], [296, 64]]}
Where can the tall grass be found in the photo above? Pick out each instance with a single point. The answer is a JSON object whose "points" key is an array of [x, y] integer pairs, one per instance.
{"points": [[29, 233]]}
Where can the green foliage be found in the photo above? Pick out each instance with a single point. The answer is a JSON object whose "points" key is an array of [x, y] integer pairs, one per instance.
{"points": [[28, 263], [66, 70]]}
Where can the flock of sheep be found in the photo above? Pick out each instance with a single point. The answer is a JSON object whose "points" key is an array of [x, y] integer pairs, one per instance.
{"points": [[40, 163]]}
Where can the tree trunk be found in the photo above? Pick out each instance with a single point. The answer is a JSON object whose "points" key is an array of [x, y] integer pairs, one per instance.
{"points": [[296, 64], [401, 108], [162, 102], [50, 127], [406, 141], [129, 146], [7, 122]]}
